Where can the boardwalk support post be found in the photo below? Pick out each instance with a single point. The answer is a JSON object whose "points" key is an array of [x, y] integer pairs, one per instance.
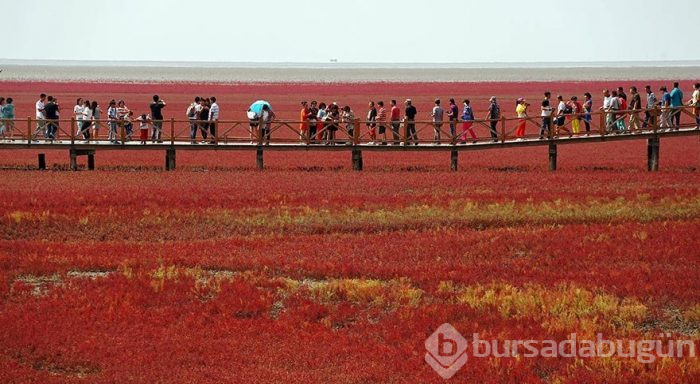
{"points": [[91, 161], [42, 161], [454, 157], [653, 154], [170, 159], [259, 159], [356, 159], [73, 160], [552, 157]]}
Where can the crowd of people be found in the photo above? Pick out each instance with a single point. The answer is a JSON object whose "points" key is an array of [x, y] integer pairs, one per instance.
{"points": [[384, 125]]}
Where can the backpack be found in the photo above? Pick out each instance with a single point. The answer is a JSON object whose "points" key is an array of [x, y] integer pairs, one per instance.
{"points": [[191, 111]]}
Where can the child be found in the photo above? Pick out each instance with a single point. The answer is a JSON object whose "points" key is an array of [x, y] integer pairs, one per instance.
{"points": [[144, 120]]}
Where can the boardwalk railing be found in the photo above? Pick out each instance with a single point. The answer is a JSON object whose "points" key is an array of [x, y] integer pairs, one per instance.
{"points": [[84, 138]]}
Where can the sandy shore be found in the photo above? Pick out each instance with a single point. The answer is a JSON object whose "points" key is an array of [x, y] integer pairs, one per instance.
{"points": [[329, 74]]}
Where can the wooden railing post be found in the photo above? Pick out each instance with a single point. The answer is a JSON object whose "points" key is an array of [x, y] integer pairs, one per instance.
{"points": [[29, 131], [260, 131], [72, 130], [172, 131], [356, 132], [503, 129]]}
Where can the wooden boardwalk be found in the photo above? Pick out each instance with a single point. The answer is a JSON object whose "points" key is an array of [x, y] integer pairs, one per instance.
{"points": [[289, 136]]}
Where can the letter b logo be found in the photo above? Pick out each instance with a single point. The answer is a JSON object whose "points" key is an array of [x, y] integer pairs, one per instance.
{"points": [[446, 351]]}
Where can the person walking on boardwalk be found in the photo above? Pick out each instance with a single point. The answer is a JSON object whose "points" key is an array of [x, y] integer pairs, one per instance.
{"points": [[652, 110], [676, 106], [348, 118], [695, 102], [437, 115], [8, 119], [51, 111], [192, 113], [112, 121], [467, 122], [78, 110], [84, 128], [610, 106], [303, 121], [587, 111], [665, 122], [622, 101], [39, 114], [560, 121], [381, 122], [546, 115], [395, 122], [521, 111], [213, 119], [372, 123], [493, 115], [635, 107], [156, 108], [576, 108], [410, 114], [453, 116]]}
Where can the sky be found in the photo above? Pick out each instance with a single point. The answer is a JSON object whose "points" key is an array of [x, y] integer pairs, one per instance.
{"points": [[351, 31]]}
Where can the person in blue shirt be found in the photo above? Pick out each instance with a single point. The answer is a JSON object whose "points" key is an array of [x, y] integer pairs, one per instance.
{"points": [[676, 105], [665, 108]]}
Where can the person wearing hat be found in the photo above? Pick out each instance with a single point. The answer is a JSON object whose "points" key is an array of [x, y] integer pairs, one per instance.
{"points": [[493, 115]]}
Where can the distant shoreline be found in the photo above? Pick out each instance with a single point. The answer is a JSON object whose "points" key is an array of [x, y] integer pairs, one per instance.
{"points": [[330, 73]]}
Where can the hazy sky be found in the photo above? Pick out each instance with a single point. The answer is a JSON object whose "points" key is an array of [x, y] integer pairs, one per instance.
{"points": [[438, 31]]}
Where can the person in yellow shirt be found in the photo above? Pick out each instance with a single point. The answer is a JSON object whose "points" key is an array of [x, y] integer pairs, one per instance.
{"points": [[521, 111]]}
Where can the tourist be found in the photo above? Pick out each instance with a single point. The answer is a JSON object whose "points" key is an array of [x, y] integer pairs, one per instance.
{"points": [[453, 116], [622, 107], [665, 121], [560, 120], [521, 111], [348, 118], [651, 109], [84, 128], [468, 122], [676, 106], [39, 113], [96, 115], [78, 110], [8, 118], [267, 118], [203, 118], [493, 115], [303, 121], [311, 117], [144, 120], [437, 115], [332, 122], [156, 117], [575, 108], [112, 121], [371, 123], [51, 113], [381, 122], [395, 122], [695, 102], [610, 106], [546, 115], [192, 115], [320, 121], [214, 112], [635, 107], [587, 110], [621, 94], [410, 120]]}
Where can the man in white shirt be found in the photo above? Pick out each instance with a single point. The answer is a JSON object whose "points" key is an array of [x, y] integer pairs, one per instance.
{"points": [[40, 123], [695, 101], [213, 118]]}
